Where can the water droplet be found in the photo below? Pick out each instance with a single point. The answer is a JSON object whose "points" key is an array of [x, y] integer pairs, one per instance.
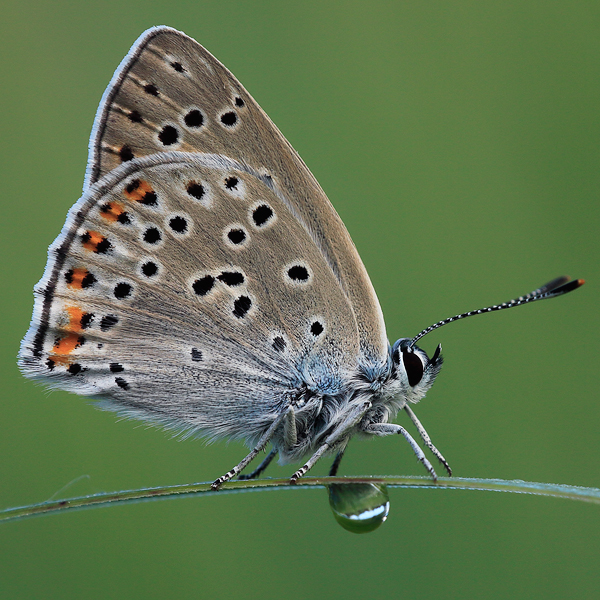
{"points": [[359, 507]]}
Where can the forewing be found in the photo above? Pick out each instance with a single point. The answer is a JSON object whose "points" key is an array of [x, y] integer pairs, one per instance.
{"points": [[171, 94]]}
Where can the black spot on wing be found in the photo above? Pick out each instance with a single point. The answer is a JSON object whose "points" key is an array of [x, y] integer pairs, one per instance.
{"points": [[241, 306]]}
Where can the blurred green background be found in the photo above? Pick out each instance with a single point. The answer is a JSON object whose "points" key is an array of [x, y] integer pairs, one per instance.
{"points": [[459, 142]]}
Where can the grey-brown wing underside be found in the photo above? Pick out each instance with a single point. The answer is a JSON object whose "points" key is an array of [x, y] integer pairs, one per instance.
{"points": [[182, 291], [171, 94]]}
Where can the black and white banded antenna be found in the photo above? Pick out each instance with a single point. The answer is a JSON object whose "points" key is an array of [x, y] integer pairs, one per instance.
{"points": [[556, 287]]}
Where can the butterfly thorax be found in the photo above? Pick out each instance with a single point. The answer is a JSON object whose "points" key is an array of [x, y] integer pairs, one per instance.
{"points": [[406, 378]]}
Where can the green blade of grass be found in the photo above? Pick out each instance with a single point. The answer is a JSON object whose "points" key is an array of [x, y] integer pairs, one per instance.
{"points": [[582, 494]]}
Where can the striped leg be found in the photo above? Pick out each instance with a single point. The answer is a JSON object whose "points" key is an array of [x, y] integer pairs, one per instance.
{"points": [[290, 438], [310, 463], [425, 436], [351, 420], [263, 465], [389, 429], [264, 440]]}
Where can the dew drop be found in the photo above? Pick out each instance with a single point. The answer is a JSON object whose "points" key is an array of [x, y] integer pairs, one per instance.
{"points": [[359, 507]]}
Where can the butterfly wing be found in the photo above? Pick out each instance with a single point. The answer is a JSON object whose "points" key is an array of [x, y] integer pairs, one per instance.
{"points": [[171, 94], [182, 290]]}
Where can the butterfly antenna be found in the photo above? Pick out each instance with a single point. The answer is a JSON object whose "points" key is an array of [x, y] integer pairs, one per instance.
{"points": [[556, 287]]}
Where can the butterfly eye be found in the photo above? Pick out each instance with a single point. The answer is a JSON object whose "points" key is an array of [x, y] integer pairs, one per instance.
{"points": [[413, 366]]}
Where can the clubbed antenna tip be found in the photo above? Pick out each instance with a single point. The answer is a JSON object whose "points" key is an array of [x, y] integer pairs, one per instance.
{"points": [[556, 287]]}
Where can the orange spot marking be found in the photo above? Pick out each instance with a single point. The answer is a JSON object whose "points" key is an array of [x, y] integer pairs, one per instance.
{"points": [[77, 278], [68, 343], [72, 340], [137, 189], [112, 211], [75, 316], [92, 240], [60, 360]]}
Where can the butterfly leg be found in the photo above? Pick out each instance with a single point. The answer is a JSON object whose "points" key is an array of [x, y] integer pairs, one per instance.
{"points": [[353, 418], [290, 432], [290, 437], [264, 440], [382, 429], [263, 465], [336, 463], [425, 436]]}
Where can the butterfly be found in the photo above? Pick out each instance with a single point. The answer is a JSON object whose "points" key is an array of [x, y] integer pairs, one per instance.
{"points": [[204, 282]]}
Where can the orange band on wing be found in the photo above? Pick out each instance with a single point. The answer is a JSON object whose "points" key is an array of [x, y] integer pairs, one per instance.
{"points": [[111, 211], [75, 319], [65, 345], [68, 343], [140, 191], [95, 242], [78, 278]]}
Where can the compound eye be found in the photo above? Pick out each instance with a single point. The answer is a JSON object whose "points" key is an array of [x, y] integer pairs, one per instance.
{"points": [[413, 366]]}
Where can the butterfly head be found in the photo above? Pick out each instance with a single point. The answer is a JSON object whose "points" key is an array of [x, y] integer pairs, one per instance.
{"points": [[413, 369], [413, 372]]}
